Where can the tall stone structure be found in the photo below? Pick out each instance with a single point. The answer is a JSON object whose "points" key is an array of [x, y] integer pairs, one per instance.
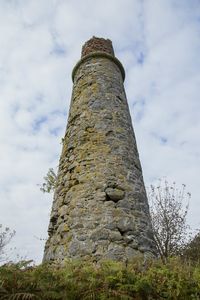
{"points": [[100, 208]]}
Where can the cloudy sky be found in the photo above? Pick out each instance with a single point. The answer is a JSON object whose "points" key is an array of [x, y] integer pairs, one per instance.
{"points": [[158, 43]]}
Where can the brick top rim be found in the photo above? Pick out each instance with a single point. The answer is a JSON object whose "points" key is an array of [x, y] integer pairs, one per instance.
{"points": [[98, 54], [97, 44]]}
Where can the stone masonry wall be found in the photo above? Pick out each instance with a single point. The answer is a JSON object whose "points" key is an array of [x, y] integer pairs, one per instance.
{"points": [[100, 208]]}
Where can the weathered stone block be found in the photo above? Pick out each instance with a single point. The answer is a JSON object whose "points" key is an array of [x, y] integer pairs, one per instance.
{"points": [[114, 194], [126, 224]]}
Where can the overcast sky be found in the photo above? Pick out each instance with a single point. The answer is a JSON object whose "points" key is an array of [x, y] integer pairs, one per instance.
{"points": [[158, 42]]}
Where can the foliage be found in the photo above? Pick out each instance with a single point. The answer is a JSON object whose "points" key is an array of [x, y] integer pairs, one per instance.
{"points": [[191, 250], [49, 183], [168, 215], [108, 280], [5, 236]]}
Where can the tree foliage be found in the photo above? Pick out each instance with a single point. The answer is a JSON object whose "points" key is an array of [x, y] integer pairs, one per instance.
{"points": [[49, 183], [5, 236], [191, 251], [168, 214]]}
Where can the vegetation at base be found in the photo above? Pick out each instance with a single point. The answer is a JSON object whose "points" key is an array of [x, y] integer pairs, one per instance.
{"points": [[176, 275], [109, 280]]}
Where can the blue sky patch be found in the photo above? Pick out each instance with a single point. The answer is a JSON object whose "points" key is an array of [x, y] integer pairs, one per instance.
{"points": [[140, 58], [58, 50], [39, 122]]}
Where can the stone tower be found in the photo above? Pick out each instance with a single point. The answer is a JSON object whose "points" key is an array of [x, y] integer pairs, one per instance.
{"points": [[100, 208]]}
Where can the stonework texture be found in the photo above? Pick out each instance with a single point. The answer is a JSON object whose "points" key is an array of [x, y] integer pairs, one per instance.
{"points": [[100, 209]]}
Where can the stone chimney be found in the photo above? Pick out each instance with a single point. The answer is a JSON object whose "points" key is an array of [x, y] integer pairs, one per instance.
{"points": [[100, 208]]}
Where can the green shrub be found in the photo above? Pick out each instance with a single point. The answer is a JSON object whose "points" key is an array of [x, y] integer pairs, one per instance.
{"points": [[108, 280]]}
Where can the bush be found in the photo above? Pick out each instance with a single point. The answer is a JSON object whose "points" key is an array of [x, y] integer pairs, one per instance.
{"points": [[108, 280], [191, 251]]}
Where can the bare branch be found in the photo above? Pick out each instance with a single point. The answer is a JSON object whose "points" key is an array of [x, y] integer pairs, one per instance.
{"points": [[168, 215]]}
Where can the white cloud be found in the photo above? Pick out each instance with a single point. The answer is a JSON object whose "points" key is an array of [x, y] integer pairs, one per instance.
{"points": [[40, 42]]}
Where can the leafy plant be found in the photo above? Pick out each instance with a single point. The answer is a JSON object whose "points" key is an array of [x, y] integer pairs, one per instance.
{"points": [[49, 183], [191, 249]]}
